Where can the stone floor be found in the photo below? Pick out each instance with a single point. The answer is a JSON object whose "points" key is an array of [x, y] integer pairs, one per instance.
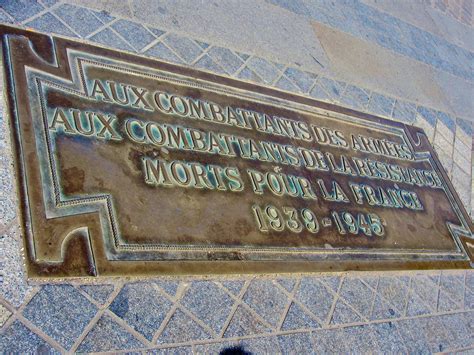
{"points": [[410, 61]]}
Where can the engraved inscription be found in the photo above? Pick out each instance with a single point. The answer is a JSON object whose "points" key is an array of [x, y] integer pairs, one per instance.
{"points": [[129, 165], [164, 172]]}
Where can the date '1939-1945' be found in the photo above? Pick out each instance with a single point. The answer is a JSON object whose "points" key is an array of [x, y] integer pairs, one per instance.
{"points": [[269, 218]]}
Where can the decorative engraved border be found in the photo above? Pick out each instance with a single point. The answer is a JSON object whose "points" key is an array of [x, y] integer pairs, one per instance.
{"points": [[89, 204]]}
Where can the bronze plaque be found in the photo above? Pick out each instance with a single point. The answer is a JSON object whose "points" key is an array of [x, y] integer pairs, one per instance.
{"points": [[133, 166]]}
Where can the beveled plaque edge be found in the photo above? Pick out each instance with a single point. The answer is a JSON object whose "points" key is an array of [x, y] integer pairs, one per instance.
{"points": [[415, 134]]}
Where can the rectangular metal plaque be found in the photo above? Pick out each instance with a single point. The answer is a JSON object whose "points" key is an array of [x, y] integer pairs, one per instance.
{"points": [[133, 166]]}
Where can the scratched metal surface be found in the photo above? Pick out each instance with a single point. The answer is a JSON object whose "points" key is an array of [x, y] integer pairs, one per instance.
{"points": [[87, 209]]}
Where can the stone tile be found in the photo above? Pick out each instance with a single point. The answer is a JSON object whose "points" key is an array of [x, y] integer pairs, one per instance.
{"points": [[187, 49], [108, 38], [17, 339], [49, 3], [104, 16], [384, 310], [22, 9], [297, 318], [169, 286], [414, 339], [244, 323], [265, 70], [355, 97], [469, 280], [462, 148], [226, 59], [465, 126], [8, 205], [424, 292], [468, 299], [371, 281], [4, 130], [303, 80], [61, 312], [394, 290], [462, 162], [266, 299], [243, 56], [416, 306], [443, 130], [344, 314], [460, 335], [315, 296], [260, 345], [331, 281], [206, 63], [434, 331], [5, 18], [218, 348], [445, 146], [279, 66], [358, 295], [287, 283], [404, 111], [462, 178], [50, 23], [14, 287], [328, 89], [157, 32], [428, 18], [464, 195], [258, 27], [182, 328], [367, 64], [248, 74], [233, 286], [451, 292], [388, 338], [135, 34], [202, 296], [285, 84], [319, 93], [203, 45], [161, 51], [457, 93], [81, 20], [4, 315], [297, 343], [108, 335], [177, 350], [361, 339], [469, 321], [115, 8], [427, 128], [461, 136], [428, 115], [142, 306], [447, 121], [99, 293], [381, 105], [445, 159], [328, 341]]}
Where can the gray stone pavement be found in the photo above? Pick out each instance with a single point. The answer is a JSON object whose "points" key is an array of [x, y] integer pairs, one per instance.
{"points": [[411, 62]]}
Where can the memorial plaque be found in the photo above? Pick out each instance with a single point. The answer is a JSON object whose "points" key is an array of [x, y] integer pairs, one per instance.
{"points": [[132, 166]]}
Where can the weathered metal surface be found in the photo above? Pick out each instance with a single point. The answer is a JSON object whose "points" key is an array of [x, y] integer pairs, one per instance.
{"points": [[132, 166]]}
